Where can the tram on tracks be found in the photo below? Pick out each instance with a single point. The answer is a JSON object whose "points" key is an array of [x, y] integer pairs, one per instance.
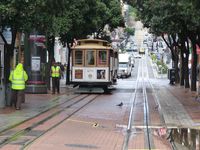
{"points": [[94, 65]]}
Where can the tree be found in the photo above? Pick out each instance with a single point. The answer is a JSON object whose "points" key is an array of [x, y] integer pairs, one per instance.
{"points": [[89, 17], [179, 20], [64, 18], [129, 31], [15, 15]]}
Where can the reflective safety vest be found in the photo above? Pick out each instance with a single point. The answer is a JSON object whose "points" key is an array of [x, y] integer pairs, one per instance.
{"points": [[55, 71], [18, 80]]}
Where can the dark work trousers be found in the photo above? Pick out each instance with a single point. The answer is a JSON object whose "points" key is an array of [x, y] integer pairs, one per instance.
{"points": [[17, 97], [56, 84]]}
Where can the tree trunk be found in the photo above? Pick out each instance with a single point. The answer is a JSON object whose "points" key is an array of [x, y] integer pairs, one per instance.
{"points": [[50, 48], [27, 53], [182, 81], [176, 61], [185, 53], [177, 77], [68, 65], [194, 66], [187, 83], [175, 55], [8, 55]]}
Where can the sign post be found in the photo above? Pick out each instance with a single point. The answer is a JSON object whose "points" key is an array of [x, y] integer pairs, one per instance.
{"points": [[2, 80], [198, 69]]}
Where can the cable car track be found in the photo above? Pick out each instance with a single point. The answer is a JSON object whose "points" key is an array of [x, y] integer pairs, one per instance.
{"points": [[146, 111], [143, 80], [132, 102], [44, 122]]}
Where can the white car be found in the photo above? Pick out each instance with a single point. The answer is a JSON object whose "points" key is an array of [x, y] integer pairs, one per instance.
{"points": [[125, 66], [137, 56], [124, 70]]}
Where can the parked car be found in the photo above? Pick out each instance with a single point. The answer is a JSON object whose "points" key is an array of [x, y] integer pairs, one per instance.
{"points": [[125, 66], [136, 55]]}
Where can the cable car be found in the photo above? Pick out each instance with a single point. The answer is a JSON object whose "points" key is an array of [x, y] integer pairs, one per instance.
{"points": [[94, 65], [142, 50]]}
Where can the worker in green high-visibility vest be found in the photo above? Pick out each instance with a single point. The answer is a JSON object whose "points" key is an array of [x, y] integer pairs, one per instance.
{"points": [[55, 75], [18, 77]]}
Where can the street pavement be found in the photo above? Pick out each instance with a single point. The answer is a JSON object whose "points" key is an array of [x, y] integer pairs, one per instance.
{"points": [[172, 100], [34, 105]]}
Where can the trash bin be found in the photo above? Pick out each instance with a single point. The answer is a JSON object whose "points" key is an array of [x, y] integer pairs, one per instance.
{"points": [[171, 75]]}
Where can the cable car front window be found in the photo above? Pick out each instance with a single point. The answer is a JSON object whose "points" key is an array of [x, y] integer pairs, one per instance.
{"points": [[90, 58], [102, 57], [78, 57]]}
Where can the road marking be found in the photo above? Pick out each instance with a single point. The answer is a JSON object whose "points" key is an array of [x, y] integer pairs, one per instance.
{"points": [[143, 149], [144, 127], [94, 124]]}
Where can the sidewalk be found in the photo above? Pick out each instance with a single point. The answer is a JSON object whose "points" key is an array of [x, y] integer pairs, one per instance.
{"points": [[34, 105], [178, 105]]}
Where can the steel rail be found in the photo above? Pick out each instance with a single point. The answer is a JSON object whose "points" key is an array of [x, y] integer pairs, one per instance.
{"points": [[30, 127], [143, 77], [26, 145], [146, 106], [42, 112], [132, 102]]}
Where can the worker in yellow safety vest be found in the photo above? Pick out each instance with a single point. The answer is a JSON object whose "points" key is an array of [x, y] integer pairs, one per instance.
{"points": [[55, 75], [18, 77]]}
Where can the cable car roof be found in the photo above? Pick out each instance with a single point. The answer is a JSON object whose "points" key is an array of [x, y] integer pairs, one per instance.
{"points": [[92, 44]]}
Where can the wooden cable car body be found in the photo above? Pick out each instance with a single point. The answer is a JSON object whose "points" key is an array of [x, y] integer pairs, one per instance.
{"points": [[94, 64]]}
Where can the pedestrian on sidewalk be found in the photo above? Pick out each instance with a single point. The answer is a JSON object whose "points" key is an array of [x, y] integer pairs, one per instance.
{"points": [[62, 70], [55, 75], [18, 78]]}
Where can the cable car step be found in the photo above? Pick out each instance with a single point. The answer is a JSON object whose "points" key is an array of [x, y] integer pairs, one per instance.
{"points": [[89, 90]]}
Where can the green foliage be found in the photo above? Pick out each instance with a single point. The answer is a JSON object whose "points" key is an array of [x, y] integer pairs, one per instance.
{"points": [[133, 12], [162, 67], [153, 57], [159, 63], [91, 17], [77, 18], [180, 18], [129, 31], [169, 16], [61, 16], [115, 18]]}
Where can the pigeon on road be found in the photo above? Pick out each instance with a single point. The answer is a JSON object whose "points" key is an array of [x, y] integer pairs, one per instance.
{"points": [[120, 104]]}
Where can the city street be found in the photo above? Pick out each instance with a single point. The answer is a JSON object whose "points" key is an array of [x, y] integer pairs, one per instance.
{"points": [[99, 75], [100, 123]]}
